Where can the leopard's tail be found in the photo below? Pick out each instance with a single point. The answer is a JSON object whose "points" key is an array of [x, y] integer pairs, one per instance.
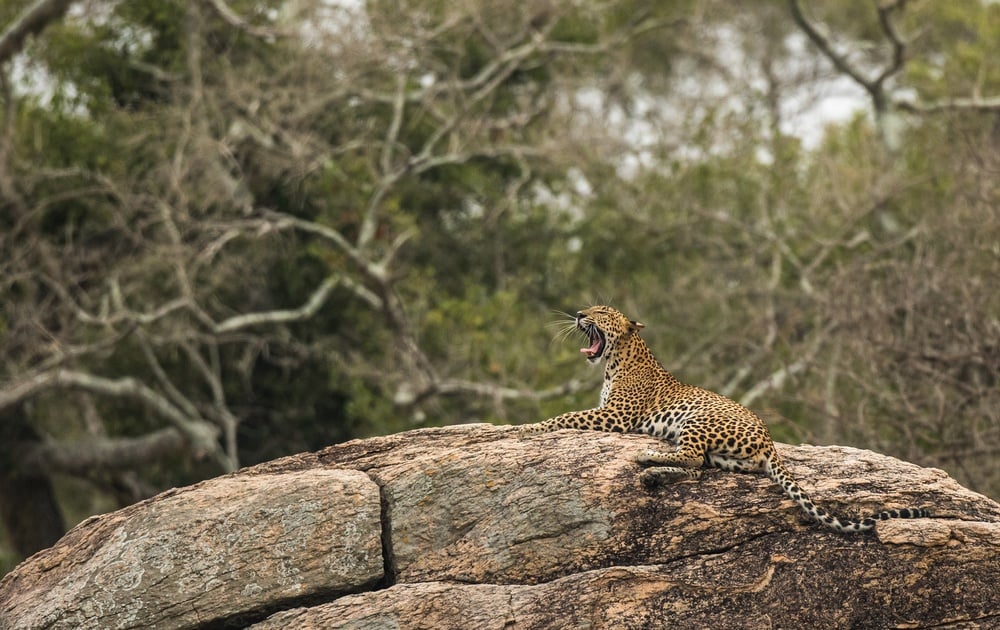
{"points": [[776, 471]]}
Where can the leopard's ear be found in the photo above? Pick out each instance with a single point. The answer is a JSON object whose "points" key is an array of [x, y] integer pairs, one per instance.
{"points": [[634, 326]]}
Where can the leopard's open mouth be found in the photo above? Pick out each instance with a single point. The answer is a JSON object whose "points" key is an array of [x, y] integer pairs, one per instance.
{"points": [[597, 342]]}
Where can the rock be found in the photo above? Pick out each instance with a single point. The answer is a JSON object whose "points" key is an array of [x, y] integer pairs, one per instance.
{"points": [[238, 546], [476, 528]]}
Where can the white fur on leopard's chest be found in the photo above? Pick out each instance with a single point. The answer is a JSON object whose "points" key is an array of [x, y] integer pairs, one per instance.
{"points": [[610, 371], [605, 391]]}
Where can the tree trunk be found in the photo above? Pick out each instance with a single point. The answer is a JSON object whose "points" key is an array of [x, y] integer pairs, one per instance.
{"points": [[29, 511]]}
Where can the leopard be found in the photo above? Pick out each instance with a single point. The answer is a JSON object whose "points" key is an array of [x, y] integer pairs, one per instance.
{"points": [[705, 428]]}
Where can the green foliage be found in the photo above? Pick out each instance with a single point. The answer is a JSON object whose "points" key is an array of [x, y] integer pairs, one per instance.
{"points": [[952, 59]]}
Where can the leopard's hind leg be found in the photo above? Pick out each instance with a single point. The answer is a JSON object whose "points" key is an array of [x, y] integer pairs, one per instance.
{"points": [[682, 464]]}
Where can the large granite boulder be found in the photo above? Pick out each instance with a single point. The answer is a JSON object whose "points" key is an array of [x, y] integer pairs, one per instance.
{"points": [[473, 527]]}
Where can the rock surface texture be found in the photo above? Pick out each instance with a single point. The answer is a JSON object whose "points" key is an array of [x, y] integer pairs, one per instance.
{"points": [[473, 527]]}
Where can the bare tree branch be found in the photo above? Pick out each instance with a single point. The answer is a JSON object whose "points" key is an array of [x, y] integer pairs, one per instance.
{"points": [[774, 380], [451, 387], [307, 310], [839, 61], [536, 44], [211, 373], [32, 21], [63, 354], [982, 104], [370, 269], [198, 433], [875, 87], [777, 378], [406, 397], [885, 12], [235, 20], [8, 186], [370, 221], [122, 313], [160, 374], [881, 101], [103, 454], [381, 294]]}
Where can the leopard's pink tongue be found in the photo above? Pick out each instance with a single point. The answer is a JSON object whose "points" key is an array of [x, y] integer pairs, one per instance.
{"points": [[592, 350]]}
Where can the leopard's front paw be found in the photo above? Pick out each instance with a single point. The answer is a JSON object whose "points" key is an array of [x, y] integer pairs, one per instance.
{"points": [[648, 458], [528, 430]]}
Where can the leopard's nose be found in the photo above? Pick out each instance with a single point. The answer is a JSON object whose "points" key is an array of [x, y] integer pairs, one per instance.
{"points": [[579, 316]]}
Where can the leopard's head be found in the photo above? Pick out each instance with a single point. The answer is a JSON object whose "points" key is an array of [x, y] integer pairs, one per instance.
{"points": [[605, 327]]}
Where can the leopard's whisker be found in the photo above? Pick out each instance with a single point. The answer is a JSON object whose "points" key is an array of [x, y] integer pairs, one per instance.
{"points": [[565, 326]]}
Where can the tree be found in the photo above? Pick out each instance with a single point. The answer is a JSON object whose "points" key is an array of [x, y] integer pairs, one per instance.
{"points": [[199, 193]]}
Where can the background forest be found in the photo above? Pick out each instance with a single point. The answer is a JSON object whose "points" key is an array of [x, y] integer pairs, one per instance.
{"points": [[230, 232]]}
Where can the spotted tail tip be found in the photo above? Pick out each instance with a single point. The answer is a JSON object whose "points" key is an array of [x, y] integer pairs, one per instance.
{"points": [[905, 513]]}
